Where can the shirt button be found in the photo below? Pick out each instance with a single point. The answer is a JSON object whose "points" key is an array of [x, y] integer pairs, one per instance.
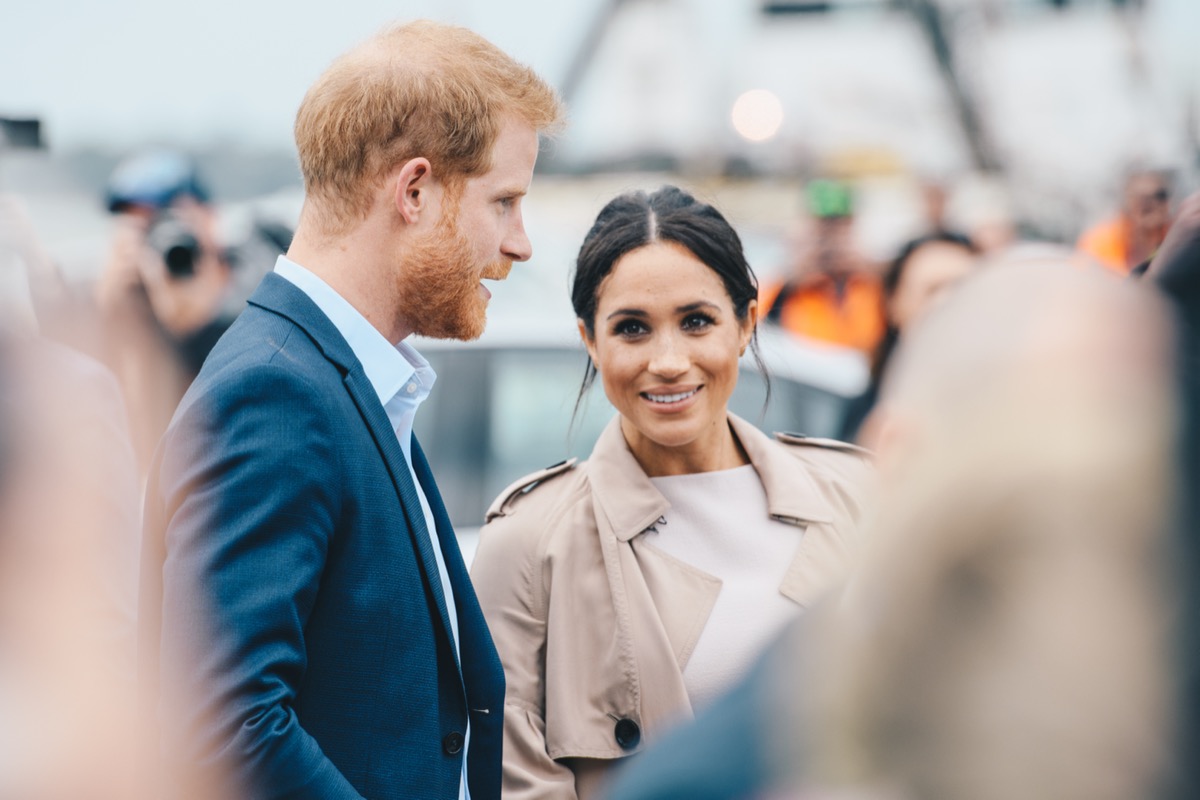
{"points": [[411, 388]]}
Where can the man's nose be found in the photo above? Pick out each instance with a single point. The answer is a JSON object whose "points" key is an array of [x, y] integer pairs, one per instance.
{"points": [[516, 245]]}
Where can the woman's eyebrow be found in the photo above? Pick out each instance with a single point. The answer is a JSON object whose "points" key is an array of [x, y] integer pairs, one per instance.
{"points": [[699, 304], [684, 309]]}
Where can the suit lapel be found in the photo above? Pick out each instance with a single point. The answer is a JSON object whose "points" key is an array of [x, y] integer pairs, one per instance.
{"points": [[377, 421], [451, 554], [281, 296], [456, 570], [482, 672]]}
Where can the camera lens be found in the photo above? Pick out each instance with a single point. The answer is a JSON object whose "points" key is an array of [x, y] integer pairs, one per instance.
{"points": [[181, 260], [175, 244]]}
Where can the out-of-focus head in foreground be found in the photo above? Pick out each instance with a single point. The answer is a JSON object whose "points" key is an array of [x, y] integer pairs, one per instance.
{"points": [[1008, 635]]}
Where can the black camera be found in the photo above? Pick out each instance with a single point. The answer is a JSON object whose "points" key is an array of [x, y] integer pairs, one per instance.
{"points": [[175, 243]]}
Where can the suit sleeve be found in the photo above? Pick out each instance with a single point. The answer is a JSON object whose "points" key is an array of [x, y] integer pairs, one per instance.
{"points": [[507, 574], [248, 499]]}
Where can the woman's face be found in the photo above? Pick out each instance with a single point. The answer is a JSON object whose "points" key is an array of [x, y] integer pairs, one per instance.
{"points": [[666, 345]]}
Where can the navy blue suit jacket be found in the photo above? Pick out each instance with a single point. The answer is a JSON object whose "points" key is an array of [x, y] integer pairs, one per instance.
{"points": [[293, 618]]}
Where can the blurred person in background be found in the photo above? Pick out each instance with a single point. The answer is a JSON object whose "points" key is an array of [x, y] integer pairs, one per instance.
{"points": [[919, 276], [983, 209], [1009, 631], [309, 627], [1132, 237], [67, 410], [34, 292], [935, 197], [170, 286], [627, 591], [832, 294], [1176, 270]]}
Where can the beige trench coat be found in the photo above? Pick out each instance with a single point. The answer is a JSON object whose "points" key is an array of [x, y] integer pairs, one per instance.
{"points": [[595, 626]]}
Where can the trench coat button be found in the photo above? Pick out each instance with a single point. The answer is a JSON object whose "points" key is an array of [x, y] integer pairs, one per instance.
{"points": [[628, 733], [453, 743]]}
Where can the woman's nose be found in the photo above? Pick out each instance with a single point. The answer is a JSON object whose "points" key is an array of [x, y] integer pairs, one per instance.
{"points": [[670, 358]]}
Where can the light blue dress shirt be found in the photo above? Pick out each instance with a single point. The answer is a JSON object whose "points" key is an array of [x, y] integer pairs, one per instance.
{"points": [[402, 378]]}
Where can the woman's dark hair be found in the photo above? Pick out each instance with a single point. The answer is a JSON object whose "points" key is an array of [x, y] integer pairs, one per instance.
{"points": [[670, 214], [891, 282]]}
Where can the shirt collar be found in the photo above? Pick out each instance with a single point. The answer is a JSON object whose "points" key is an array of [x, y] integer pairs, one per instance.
{"points": [[388, 367]]}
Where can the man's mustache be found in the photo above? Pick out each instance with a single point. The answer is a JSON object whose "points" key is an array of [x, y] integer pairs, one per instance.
{"points": [[497, 270]]}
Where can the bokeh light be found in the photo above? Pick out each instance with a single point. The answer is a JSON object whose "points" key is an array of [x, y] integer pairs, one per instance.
{"points": [[757, 115]]}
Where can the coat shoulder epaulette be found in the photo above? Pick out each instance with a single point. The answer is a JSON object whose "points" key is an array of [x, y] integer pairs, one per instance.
{"points": [[523, 486], [799, 439]]}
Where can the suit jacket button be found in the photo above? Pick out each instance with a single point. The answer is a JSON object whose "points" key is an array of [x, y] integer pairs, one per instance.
{"points": [[453, 743], [628, 733]]}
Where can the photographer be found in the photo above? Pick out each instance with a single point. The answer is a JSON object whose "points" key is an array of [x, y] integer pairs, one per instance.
{"points": [[169, 287]]}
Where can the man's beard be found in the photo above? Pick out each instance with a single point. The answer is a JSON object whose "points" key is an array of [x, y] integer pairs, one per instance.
{"points": [[440, 288]]}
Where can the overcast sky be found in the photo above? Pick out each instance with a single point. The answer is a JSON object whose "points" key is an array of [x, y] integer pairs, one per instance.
{"points": [[130, 71]]}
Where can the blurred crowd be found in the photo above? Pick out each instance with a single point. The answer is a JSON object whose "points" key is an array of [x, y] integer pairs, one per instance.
{"points": [[90, 377], [1020, 625]]}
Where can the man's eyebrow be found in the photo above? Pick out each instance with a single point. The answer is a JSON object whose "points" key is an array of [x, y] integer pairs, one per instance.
{"points": [[628, 312], [512, 192]]}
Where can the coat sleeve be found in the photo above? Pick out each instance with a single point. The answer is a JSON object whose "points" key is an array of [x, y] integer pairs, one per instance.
{"points": [[245, 510], [507, 574]]}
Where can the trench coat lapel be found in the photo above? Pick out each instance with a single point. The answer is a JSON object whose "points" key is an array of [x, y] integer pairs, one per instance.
{"points": [[666, 603], [794, 496], [625, 496], [681, 595], [792, 493]]}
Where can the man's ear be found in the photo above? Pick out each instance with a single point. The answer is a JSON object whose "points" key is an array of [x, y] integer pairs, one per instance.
{"points": [[413, 184], [587, 340]]}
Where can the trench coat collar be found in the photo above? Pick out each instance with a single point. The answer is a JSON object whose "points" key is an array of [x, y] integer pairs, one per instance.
{"points": [[792, 493], [627, 497]]}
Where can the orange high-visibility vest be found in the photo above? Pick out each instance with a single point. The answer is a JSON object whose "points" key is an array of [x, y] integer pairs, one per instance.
{"points": [[814, 309]]}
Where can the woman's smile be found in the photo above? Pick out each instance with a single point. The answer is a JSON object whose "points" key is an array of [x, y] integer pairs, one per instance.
{"points": [[670, 401]]}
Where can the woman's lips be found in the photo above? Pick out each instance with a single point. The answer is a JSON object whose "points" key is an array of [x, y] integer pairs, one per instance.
{"points": [[667, 399]]}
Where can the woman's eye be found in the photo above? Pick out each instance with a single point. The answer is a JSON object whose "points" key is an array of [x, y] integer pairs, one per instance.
{"points": [[629, 327], [696, 322]]}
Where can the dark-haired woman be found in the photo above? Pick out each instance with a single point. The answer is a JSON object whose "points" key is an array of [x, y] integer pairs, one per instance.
{"points": [[918, 276], [628, 590]]}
